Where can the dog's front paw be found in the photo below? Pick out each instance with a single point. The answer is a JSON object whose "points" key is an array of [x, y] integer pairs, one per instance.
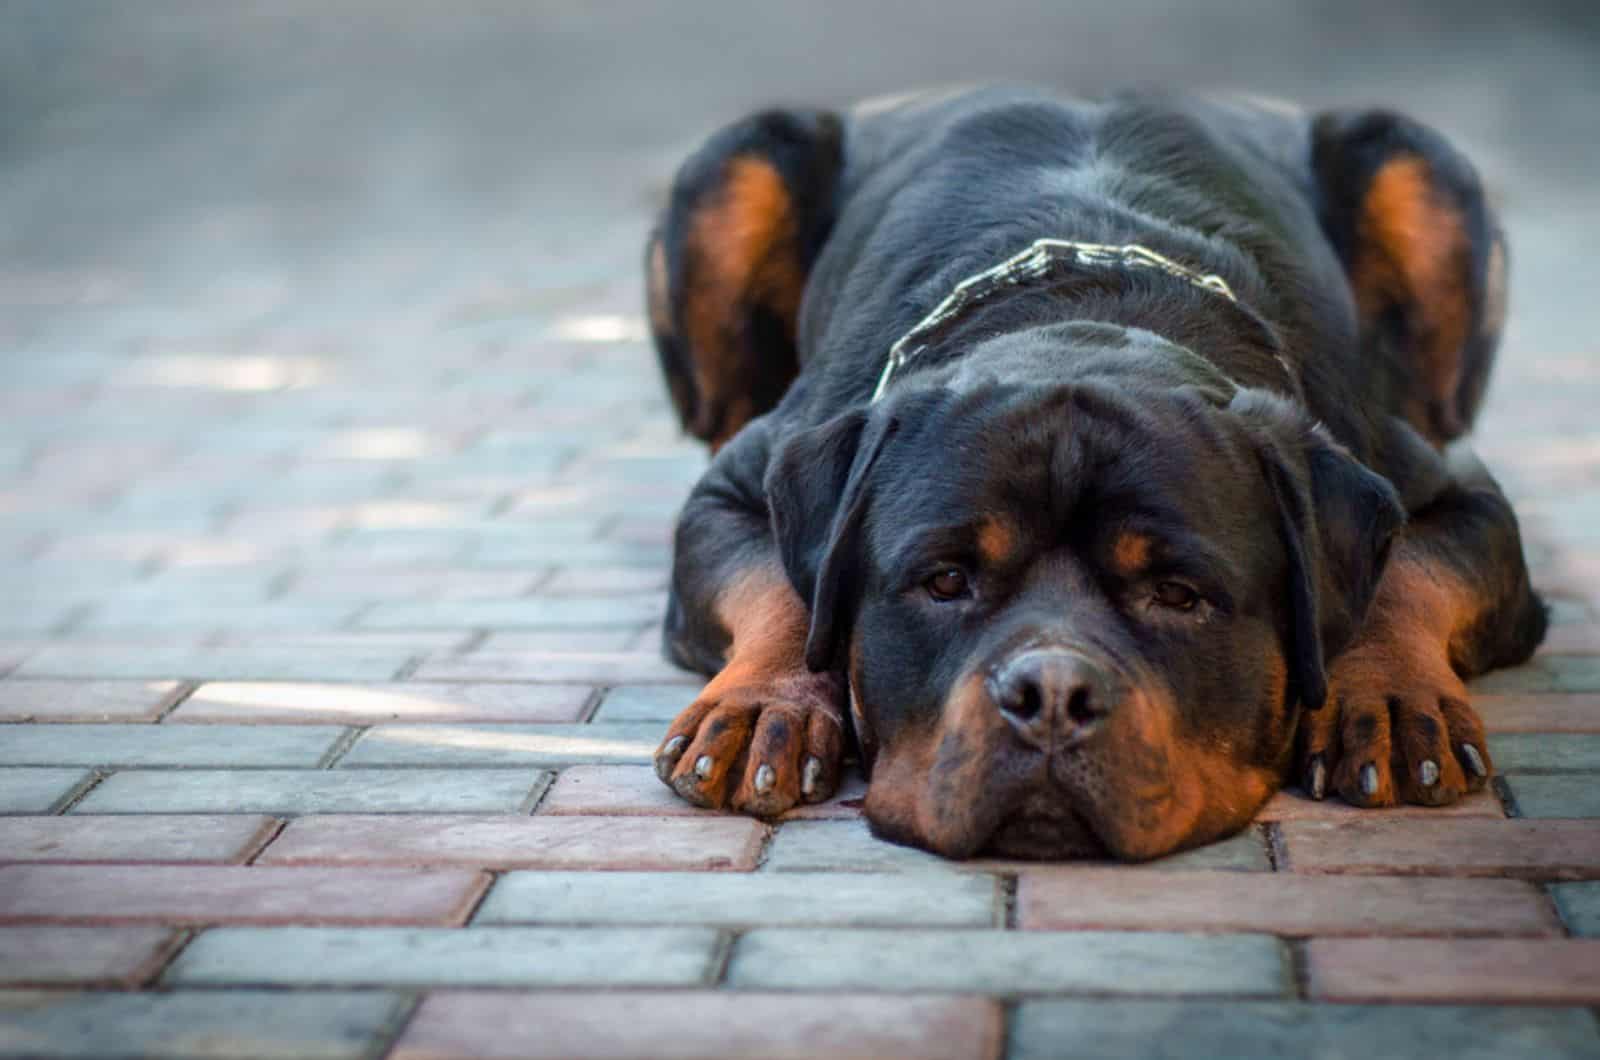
{"points": [[1396, 727], [759, 747]]}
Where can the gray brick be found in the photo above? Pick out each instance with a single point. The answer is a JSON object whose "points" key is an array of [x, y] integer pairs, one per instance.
{"points": [[323, 1025], [1545, 752], [569, 613], [164, 745], [412, 957], [1547, 673], [301, 791], [600, 668], [839, 899], [1009, 962], [1267, 1030], [849, 846], [323, 657], [1556, 795], [205, 613], [1579, 905], [504, 745], [660, 703], [36, 790]]}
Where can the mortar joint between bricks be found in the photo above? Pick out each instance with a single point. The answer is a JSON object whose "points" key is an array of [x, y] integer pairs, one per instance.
{"points": [[591, 703], [1299, 967], [175, 699], [390, 1031], [341, 746], [474, 641], [722, 957], [1008, 901], [1508, 799], [1277, 853], [80, 791]]}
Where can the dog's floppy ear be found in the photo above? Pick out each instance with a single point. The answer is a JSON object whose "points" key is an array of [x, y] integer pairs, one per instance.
{"points": [[817, 491], [1337, 519]]}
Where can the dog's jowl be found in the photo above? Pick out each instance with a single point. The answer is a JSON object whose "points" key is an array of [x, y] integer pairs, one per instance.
{"points": [[1088, 470]]}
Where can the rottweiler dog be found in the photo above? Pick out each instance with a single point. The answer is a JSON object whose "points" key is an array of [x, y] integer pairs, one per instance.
{"points": [[1083, 467]]}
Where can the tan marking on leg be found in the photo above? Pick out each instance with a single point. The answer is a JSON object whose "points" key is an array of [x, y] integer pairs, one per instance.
{"points": [[742, 254], [1413, 253]]}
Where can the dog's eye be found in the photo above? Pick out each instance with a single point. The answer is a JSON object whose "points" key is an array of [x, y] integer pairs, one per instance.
{"points": [[949, 583], [1177, 596]]}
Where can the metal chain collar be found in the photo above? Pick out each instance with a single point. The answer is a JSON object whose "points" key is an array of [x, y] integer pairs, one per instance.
{"points": [[1031, 264]]}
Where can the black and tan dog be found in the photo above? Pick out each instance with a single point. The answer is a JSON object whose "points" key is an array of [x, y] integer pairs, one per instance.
{"points": [[1087, 462]]}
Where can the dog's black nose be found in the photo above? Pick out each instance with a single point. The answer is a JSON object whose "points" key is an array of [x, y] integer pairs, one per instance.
{"points": [[1052, 697]]}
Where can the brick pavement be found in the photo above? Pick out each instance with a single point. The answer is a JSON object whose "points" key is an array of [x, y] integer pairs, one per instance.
{"points": [[328, 679], [365, 750]]}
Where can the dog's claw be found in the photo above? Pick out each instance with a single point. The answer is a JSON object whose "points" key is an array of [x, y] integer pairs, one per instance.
{"points": [[764, 779], [1474, 760], [1318, 783], [811, 776], [702, 766], [667, 757], [1369, 780], [1428, 773]]}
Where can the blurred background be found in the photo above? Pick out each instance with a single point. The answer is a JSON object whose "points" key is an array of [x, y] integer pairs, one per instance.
{"points": [[209, 173]]}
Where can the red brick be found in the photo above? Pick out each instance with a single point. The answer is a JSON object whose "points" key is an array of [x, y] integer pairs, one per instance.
{"points": [[90, 701], [636, 791], [661, 843], [1282, 904], [1555, 849], [1292, 805], [152, 838], [344, 704], [1539, 712], [1536, 971], [694, 1025], [51, 955], [127, 894]]}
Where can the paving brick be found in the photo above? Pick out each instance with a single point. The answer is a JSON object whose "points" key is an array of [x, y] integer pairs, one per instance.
{"points": [[1556, 795], [1009, 962], [53, 955], [503, 745], [1537, 971], [690, 1026], [422, 957], [24, 790], [1539, 712], [374, 704], [637, 791], [573, 612], [285, 616], [199, 1025], [1065, 897], [1546, 673], [659, 703], [673, 843], [90, 701], [298, 791], [849, 846], [575, 641], [739, 899], [1537, 752], [199, 894], [1293, 805], [1267, 1030], [166, 745], [1579, 906], [585, 581], [600, 668], [141, 839], [1454, 847], [323, 657]]}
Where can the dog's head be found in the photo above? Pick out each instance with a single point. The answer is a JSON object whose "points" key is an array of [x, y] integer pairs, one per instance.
{"points": [[1077, 617]]}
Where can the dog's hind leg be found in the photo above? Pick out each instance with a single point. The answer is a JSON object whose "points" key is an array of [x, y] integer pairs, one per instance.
{"points": [[1425, 258], [726, 267]]}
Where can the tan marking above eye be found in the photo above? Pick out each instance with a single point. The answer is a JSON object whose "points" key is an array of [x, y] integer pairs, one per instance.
{"points": [[1130, 552], [997, 541]]}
